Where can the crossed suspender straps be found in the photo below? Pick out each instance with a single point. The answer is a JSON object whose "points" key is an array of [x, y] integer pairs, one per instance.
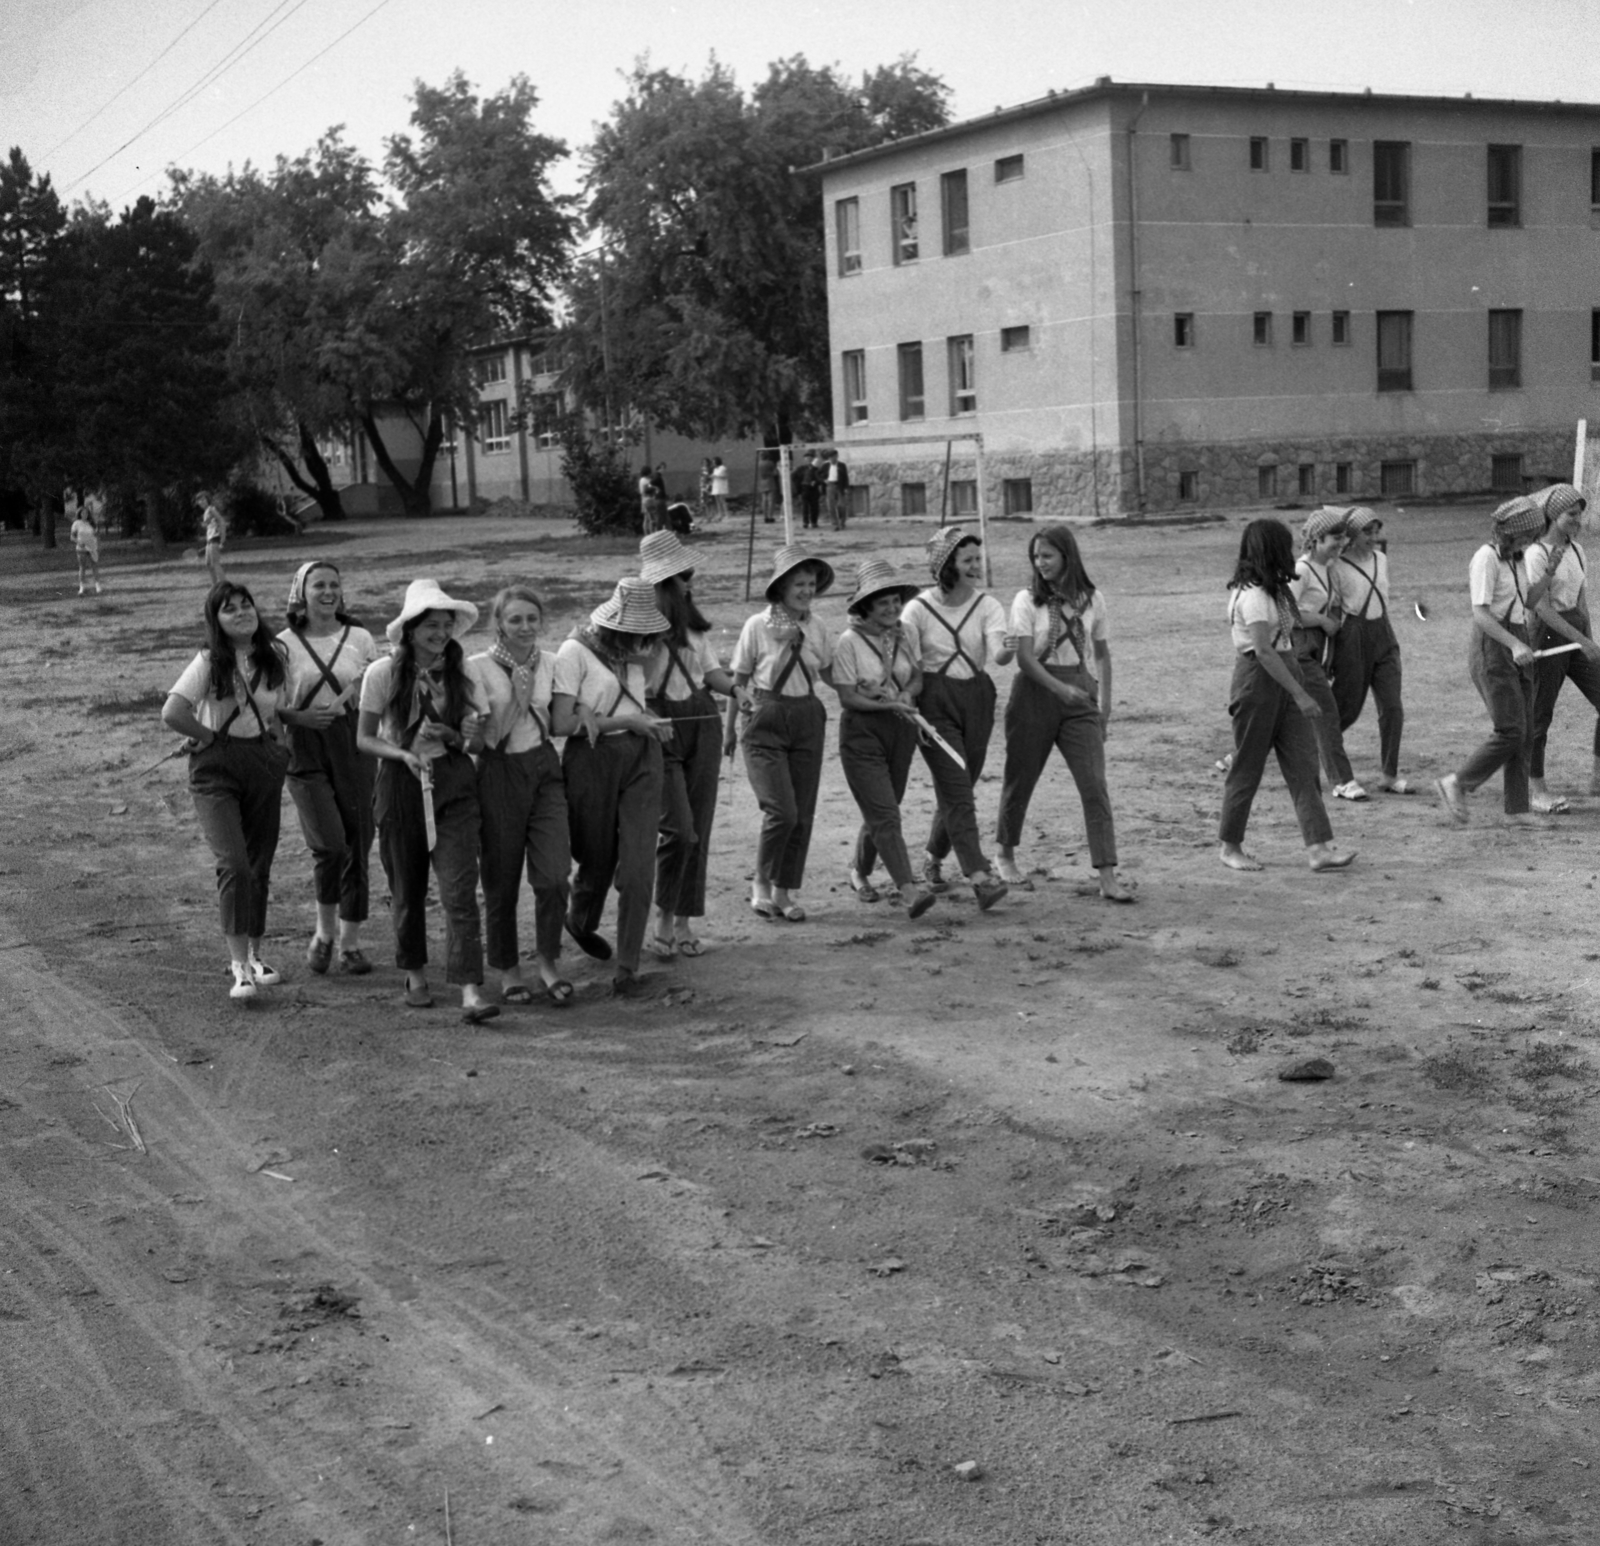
{"points": [[327, 677], [794, 660], [955, 633], [622, 689], [238, 708], [1372, 588]]}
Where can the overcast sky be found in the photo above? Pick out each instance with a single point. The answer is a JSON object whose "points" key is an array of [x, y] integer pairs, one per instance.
{"points": [[106, 94]]}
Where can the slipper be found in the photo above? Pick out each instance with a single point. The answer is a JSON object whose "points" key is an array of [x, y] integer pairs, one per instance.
{"points": [[794, 912], [517, 993], [691, 947], [1397, 786], [560, 992], [764, 909], [864, 889], [418, 998], [590, 943], [476, 1014], [1350, 791], [1550, 805], [1451, 798], [661, 949]]}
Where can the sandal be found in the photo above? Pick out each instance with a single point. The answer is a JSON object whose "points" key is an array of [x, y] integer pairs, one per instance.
{"points": [[864, 889], [691, 947], [1396, 786], [517, 993], [560, 992], [1550, 805], [763, 907], [989, 890], [1350, 791], [476, 1014], [661, 949], [794, 912], [418, 998]]}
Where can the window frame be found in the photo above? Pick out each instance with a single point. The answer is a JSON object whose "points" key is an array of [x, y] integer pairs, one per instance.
{"points": [[1010, 169], [847, 225], [1506, 375], [489, 369], [1261, 329], [544, 420], [1391, 210], [1503, 212], [907, 248], [494, 438], [906, 355], [1339, 158], [1299, 147], [1339, 331], [1183, 330], [1189, 486], [1016, 496], [1396, 472], [853, 364], [961, 360], [1594, 345], [1343, 480], [1267, 481], [955, 214], [913, 499], [1402, 324], [1008, 340], [1511, 463], [1260, 159], [1300, 329], [963, 498], [1179, 153]]}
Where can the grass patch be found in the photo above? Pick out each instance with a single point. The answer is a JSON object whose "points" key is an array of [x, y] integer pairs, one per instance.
{"points": [[140, 704], [1551, 1060], [1455, 1070]]}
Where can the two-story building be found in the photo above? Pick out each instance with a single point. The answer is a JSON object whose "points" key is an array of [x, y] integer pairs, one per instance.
{"points": [[1147, 297]]}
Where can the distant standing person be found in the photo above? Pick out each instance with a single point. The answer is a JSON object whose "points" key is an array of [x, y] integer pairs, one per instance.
{"points": [[719, 487], [1366, 654], [767, 484], [647, 500], [215, 526], [808, 486], [1317, 599], [837, 482], [86, 542], [703, 504]]}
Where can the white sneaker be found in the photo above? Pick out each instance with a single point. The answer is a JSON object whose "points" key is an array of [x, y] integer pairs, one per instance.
{"points": [[243, 984], [261, 974], [80, 590], [1350, 791]]}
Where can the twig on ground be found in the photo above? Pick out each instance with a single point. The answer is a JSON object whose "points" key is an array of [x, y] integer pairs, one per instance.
{"points": [[1204, 1417]]}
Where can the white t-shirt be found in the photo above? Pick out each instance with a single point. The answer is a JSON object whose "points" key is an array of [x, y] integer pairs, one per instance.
{"points": [[1363, 585], [761, 654], [195, 686], [1567, 586], [508, 729], [216, 525], [358, 652], [663, 679], [85, 537], [377, 686], [1314, 587], [1254, 604], [1031, 620], [859, 659], [582, 676], [931, 628], [719, 481], [1499, 584]]}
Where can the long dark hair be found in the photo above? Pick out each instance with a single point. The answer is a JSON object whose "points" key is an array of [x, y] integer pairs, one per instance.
{"points": [[947, 570], [457, 695], [263, 656], [1266, 558], [1074, 584], [676, 603], [297, 611]]}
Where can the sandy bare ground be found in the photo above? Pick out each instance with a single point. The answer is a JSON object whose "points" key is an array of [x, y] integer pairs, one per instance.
{"points": [[844, 1206]]}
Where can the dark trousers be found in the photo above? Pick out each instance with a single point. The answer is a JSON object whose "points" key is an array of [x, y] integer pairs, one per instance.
{"points": [[962, 711], [522, 799], [836, 505], [614, 814], [783, 750], [876, 750], [331, 784], [1330, 738], [1548, 677], [1036, 721], [1507, 692], [237, 788], [1366, 657], [403, 847], [811, 506], [691, 764], [1265, 720]]}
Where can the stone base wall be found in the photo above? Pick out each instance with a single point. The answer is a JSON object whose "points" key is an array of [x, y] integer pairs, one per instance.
{"points": [[1062, 484]]}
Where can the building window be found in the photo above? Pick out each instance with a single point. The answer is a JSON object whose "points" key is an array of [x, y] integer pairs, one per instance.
{"points": [[855, 386], [1340, 333], [1505, 185], [1300, 328], [912, 402], [1263, 329], [1594, 346], [1008, 169], [1391, 182], [1397, 478], [1258, 153], [544, 420], [1188, 488], [1015, 340], [1505, 350], [1339, 156], [963, 498], [545, 360], [847, 225], [953, 211], [1394, 351], [1299, 155], [1307, 478], [1016, 495], [490, 367], [1267, 482], [963, 375], [494, 426], [1180, 152], [1594, 180], [1341, 477], [913, 499], [903, 222], [1505, 473], [1183, 329]]}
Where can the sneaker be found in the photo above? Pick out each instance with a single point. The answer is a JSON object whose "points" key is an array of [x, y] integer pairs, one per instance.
{"points": [[988, 890], [319, 954], [243, 984], [864, 889], [261, 974], [1350, 791], [932, 876], [354, 962]]}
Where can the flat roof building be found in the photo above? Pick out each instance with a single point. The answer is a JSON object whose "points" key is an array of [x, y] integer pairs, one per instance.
{"points": [[1146, 297]]}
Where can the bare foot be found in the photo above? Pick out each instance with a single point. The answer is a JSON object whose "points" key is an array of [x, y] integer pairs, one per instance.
{"points": [[1236, 858], [1330, 858], [1113, 890]]}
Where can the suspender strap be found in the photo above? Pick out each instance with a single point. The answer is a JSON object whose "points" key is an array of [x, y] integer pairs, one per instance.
{"points": [[327, 678], [794, 660], [1372, 588], [1516, 581], [622, 688], [674, 659], [955, 633], [238, 708]]}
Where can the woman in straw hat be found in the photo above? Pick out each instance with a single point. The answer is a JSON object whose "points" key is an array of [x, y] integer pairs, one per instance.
{"points": [[522, 797], [877, 678], [227, 703], [330, 782], [613, 771], [783, 652], [1060, 704], [1558, 596], [955, 629], [420, 718], [1317, 601], [682, 673], [1500, 660], [1271, 710], [1366, 654]]}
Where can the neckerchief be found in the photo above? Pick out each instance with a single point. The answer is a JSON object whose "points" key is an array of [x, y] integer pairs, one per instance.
{"points": [[522, 679], [1063, 625], [886, 664]]}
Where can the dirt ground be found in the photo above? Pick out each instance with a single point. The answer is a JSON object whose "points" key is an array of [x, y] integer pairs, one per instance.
{"points": [[981, 1231]]}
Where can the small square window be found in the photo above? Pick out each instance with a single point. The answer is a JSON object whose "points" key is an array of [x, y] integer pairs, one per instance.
{"points": [[1183, 329], [1341, 478], [963, 497], [1307, 478], [1180, 152], [1397, 478], [1008, 169], [1258, 153], [1505, 474], [1017, 496], [1299, 155], [1188, 487], [1340, 332], [1262, 327], [1300, 328], [1016, 340], [913, 499], [1267, 482], [1339, 156]]}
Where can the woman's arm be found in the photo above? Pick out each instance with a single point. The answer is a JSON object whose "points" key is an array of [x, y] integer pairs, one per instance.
{"points": [[177, 713], [1272, 663], [1486, 622], [1102, 658], [1028, 665], [1550, 614], [374, 745], [1540, 588]]}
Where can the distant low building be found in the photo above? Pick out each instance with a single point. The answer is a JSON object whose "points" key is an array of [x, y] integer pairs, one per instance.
{"points": [[1146, 298]]}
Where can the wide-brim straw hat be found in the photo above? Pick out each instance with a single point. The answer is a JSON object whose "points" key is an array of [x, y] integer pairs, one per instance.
{"points": [[787, 560], [1330, 518], [661, 556], [944, 542], [1519, 517], [1555, 501], [877, 577], [631, 609], [428, 596]]}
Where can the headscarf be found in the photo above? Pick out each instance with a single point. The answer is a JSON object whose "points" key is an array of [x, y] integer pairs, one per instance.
{"points": [[297, 586]]}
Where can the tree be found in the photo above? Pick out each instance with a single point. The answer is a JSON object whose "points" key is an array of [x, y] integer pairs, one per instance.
{"points": [[705, 307]]}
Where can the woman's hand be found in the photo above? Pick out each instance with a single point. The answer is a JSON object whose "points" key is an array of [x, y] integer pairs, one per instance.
{"points": [[1591, 650], [660, 729], [317, 718], [1309, 707], [588, 723], [1521, 655]]}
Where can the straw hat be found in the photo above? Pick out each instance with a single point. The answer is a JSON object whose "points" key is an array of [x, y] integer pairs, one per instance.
{"points": [[427, 596], [1554, 502], [631, 609], [1519, 517], [787, 560], [944, 542], [661, 556], [875, 577], [1330, 518]]}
